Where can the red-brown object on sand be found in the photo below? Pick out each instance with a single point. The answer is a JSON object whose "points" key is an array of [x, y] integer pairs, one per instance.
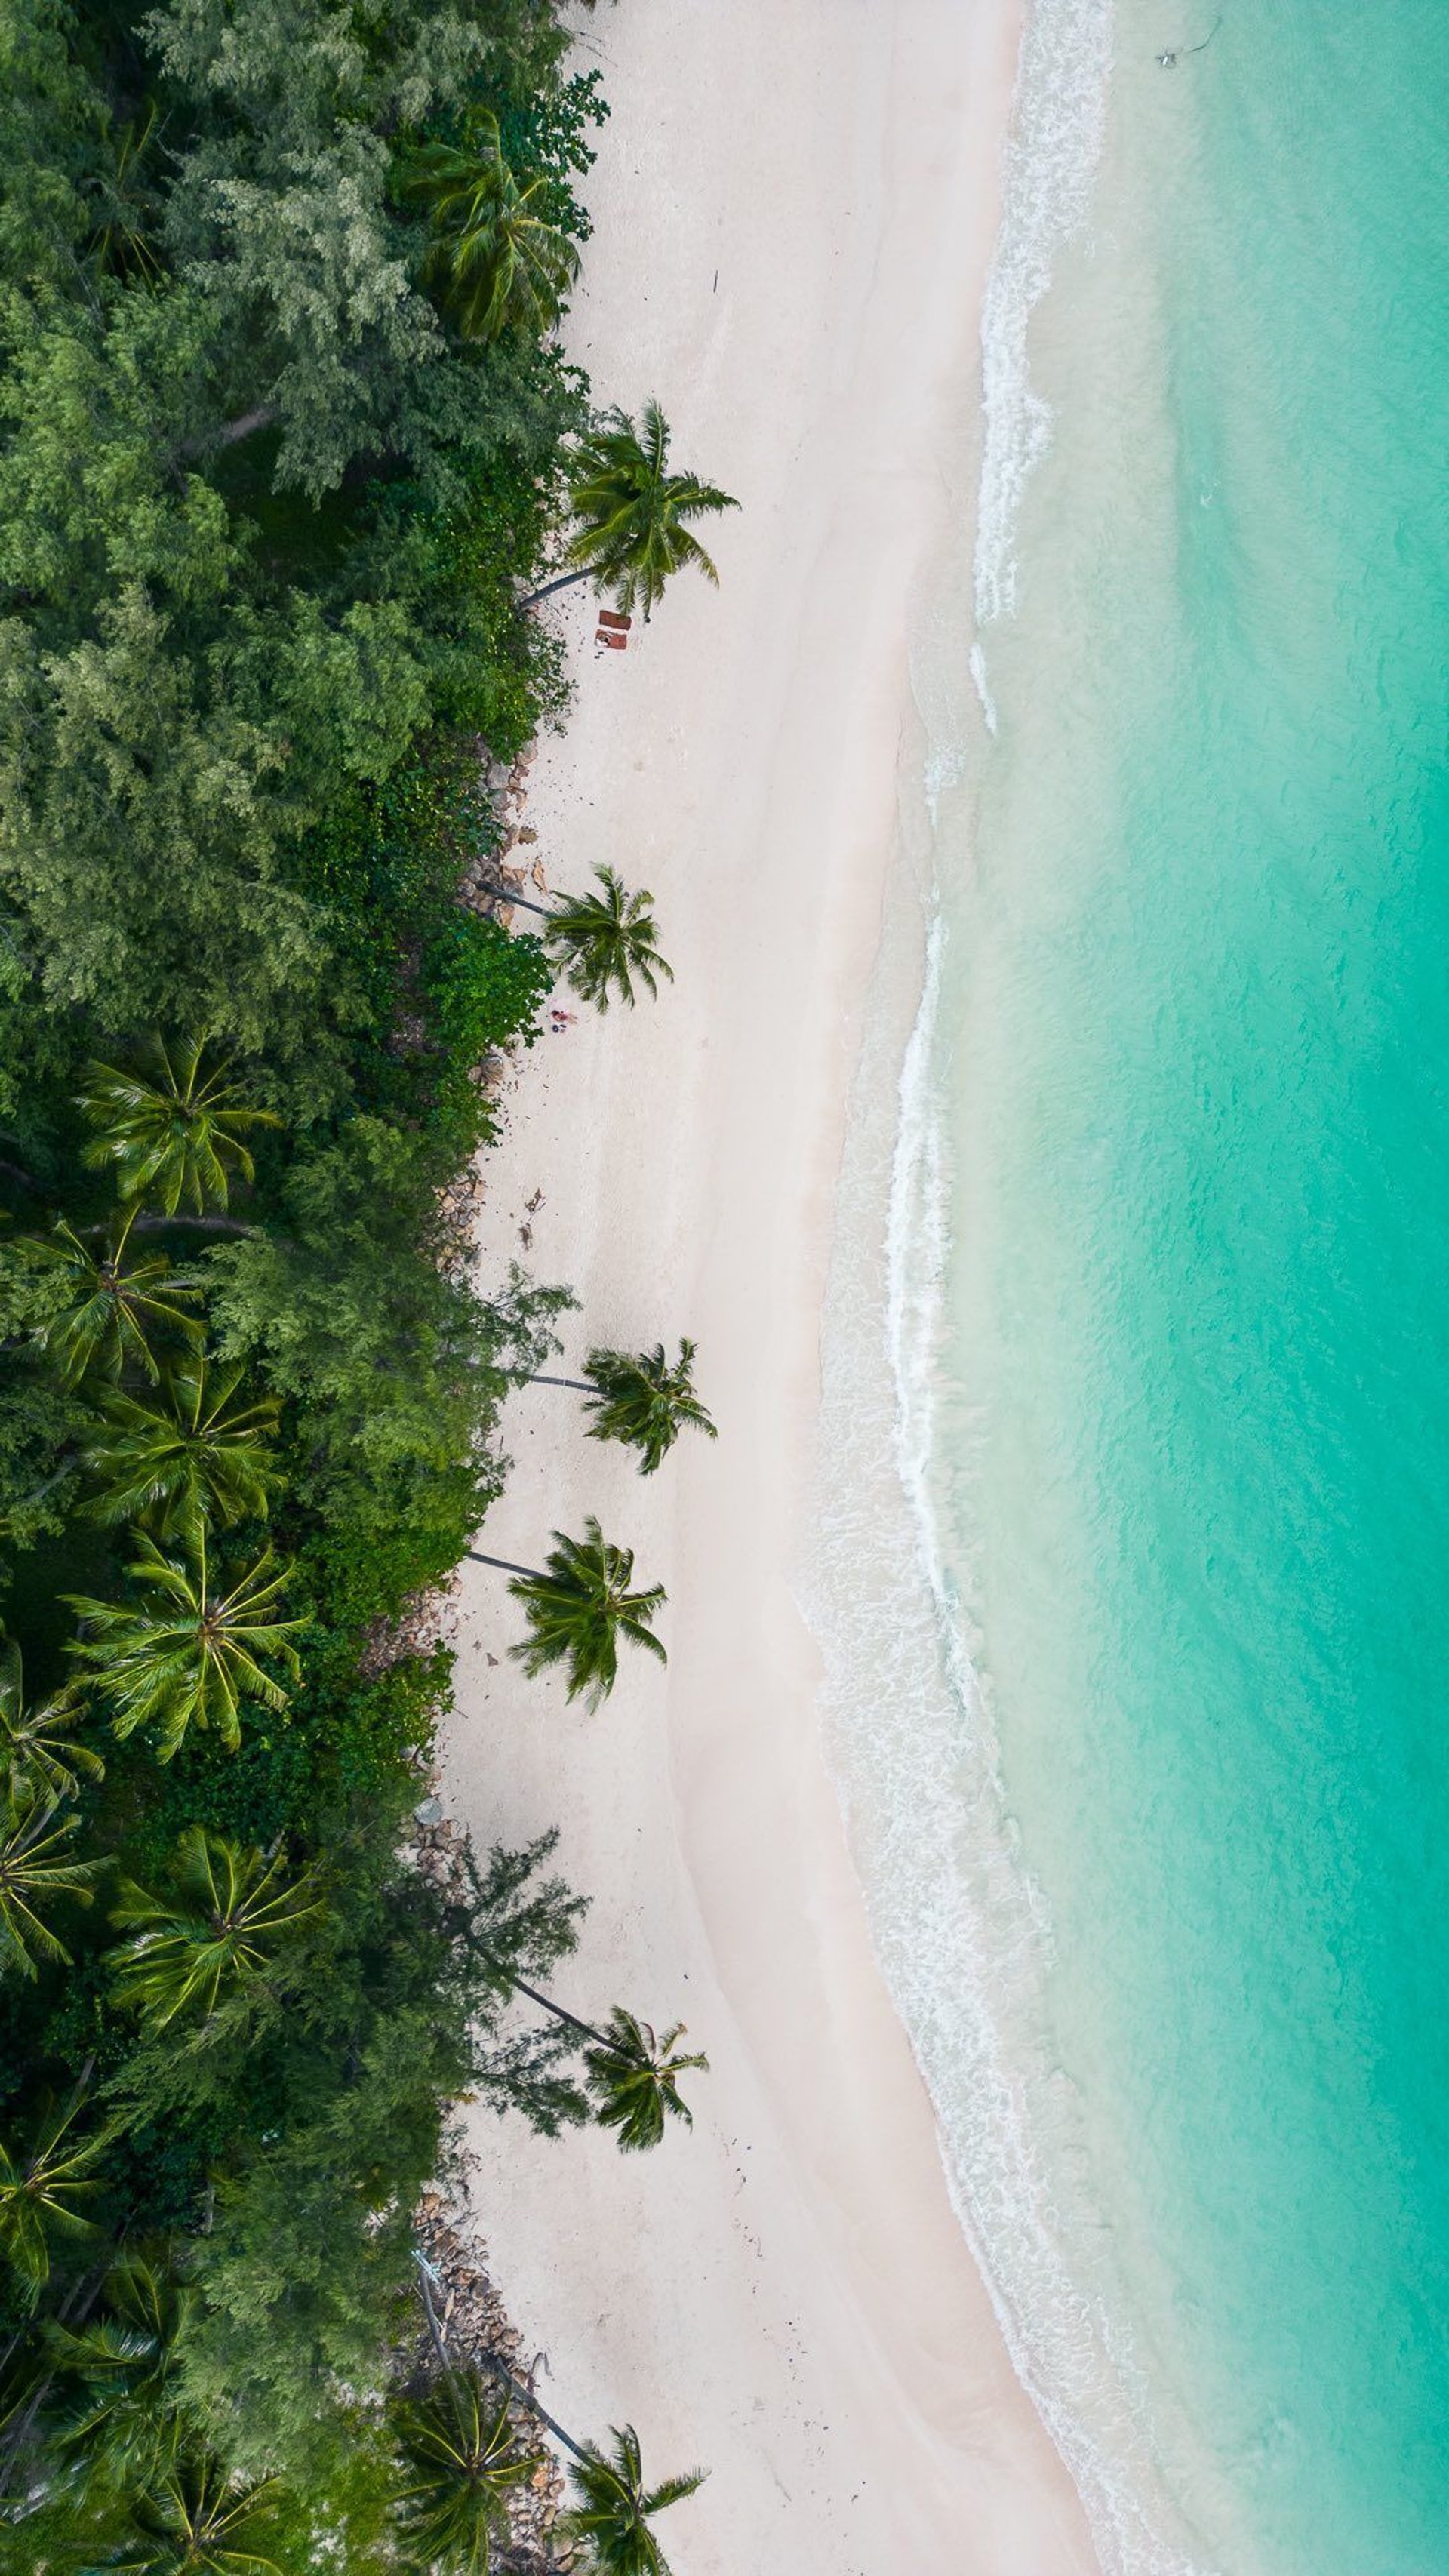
{"points": [[616, 643], [611, 617]]}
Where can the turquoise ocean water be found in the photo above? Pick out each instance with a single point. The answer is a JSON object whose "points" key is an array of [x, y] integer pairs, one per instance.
{"points": [[1158, 1728]]}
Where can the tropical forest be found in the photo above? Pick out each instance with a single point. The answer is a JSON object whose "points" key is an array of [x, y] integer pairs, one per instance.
{"points": [[291, 461]]}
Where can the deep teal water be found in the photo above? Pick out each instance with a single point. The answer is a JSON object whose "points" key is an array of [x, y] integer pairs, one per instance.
{"points": [[1198, 998]]}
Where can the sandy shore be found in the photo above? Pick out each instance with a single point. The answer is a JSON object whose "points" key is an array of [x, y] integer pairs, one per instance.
{"points": [[795, 204]]}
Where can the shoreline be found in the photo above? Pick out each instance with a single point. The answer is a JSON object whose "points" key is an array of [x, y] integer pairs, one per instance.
{"points": [[786, 2295]]}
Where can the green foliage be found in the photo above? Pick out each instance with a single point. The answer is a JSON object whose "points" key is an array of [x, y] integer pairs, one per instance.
{"points": [[633, 2076], [120, 2417], [632, 515], [198, 1454], [195, 1644], [500, 261], [226, 1914], [485, 989], [613, 2508], [38, 1738], [48, 2186], [580, 1607], [462, 2458], [266, 526], [38, 1868], [51, 124], [364, 1317], [604, 940], [644, 1402], [196, 2518], [41, 1418], [109, 1307], [168, 1129]]}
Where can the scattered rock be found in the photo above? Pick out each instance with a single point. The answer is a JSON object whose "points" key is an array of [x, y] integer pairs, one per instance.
{"points": [[476, 2324]]}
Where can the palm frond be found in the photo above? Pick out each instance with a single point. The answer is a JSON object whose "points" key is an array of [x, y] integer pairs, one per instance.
{"points": [[579, 1607], [641, 1400], [189, 1652], [196, 1452], [228, 1912], [632, 515], [604, 940], [634, 2079], [37, 1870], [171, 1129]]}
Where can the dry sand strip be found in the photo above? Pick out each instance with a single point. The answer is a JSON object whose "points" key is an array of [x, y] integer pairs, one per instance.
{"points": [[795, 204]]}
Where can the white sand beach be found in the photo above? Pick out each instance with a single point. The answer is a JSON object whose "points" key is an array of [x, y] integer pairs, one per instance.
{"points": [[795, 202]]}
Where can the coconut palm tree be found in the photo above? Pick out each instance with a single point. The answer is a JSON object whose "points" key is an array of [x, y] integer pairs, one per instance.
{"points": [[579, 1608], [190, 1652], [37, 1740], [615, 2508], [612, 2516], [495, 253], [601, 940], [634, 2078], [43, 2187], [632, 2074], [115, 1305], [193, 1454], [638, 1398], [462, 2459], [632, 514], [172, 1131], [128, 208], [197, 2519], [226, 1914], [124, 2416], [37, 1870]]}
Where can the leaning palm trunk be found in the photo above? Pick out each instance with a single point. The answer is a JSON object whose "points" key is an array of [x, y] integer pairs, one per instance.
{"points": [[490, 2361], [565, 581]]}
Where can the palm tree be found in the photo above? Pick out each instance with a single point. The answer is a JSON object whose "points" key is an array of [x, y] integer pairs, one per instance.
{"points": [[42, 2188], [197, 2519], [171, 1132], [579, 1608], [632, 2074], [125, 2417], [632, 514], [188, 1654], [496, 254], [36, 1741], [194, 1453], [605, 940], [112, 1307], [227, 1913], [463, 2460], [123, 241], [36, 1868], [634, 2078], [641, 1400], [615, 2508], [600, 940]]}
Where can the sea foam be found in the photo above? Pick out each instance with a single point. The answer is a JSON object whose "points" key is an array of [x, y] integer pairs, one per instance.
{"points": [[958, 1923], [1058, 118]]}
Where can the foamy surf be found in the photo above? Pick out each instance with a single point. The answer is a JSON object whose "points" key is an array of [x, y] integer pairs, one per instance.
{"points": [[1058, 118], [958, 1924]]}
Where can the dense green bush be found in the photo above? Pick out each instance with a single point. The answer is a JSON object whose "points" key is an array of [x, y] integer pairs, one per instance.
{"points": [[264, 523]]}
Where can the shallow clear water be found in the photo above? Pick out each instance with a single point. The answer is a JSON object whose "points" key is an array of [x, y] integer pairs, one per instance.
{"points": [[1158, 1728]]}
